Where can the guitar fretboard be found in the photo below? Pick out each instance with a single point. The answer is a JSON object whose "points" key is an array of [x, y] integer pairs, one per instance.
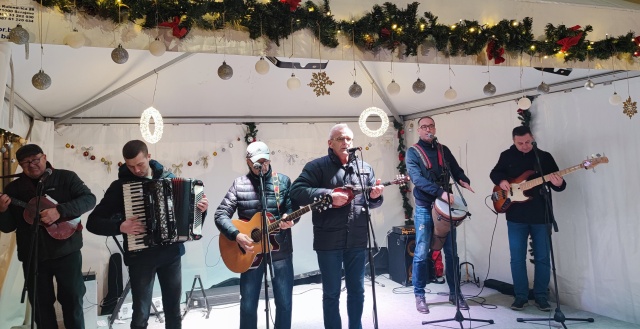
{"points": [[537, 181], [294, 215]]}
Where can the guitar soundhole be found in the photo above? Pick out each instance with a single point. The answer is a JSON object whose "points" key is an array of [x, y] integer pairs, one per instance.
{"points": [[256, 235]]}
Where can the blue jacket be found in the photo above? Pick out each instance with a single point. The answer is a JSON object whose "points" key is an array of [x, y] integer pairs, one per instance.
{"points": [[335, 228]]}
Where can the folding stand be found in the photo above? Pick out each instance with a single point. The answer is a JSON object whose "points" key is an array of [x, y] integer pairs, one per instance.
{"points": [[204, 295]]}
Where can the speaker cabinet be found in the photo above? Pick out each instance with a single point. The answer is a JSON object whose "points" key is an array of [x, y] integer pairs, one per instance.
{"points": [[401, 248]]}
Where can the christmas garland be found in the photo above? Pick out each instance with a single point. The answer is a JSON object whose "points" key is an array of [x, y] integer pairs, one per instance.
{"points": [[385, 26], [402, 169], [250, 133]]}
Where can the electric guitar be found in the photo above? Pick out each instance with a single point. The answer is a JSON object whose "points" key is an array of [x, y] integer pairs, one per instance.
{"points": [[352, 190], [62, 229], [240, 261], [502, 199]]}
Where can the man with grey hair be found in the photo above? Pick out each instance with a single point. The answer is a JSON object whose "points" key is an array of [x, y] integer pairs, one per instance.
{"points": [[339, 233]]}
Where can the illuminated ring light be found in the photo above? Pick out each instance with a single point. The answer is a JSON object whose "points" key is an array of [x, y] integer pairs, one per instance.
{"points": [[363, 122], [149, 113]]}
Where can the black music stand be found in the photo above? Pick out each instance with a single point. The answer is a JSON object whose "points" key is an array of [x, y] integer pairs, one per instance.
{"points": [[204, 295], [267, 263], [454, 248], [125, 291], [550, 221]]}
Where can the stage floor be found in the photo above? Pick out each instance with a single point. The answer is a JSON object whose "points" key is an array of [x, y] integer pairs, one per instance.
{"points": [[396, 309]]}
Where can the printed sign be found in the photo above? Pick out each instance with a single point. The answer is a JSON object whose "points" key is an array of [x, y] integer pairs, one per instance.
{"points": [[11, 15]]}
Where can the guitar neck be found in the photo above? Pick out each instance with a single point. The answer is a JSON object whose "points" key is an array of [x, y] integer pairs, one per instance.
{"points": [[537, 181], [18, 203], [357, 190], [292, 216]]}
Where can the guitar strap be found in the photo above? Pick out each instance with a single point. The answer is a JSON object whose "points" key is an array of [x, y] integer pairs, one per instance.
{"points": [[424, 157], [276, 189]]}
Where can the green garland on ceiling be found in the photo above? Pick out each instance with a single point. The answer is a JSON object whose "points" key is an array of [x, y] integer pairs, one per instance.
{"points": [[384, 27]]}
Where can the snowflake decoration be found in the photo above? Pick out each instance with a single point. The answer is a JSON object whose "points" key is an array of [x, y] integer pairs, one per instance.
{"points": [[319, 83], [629, 108]]}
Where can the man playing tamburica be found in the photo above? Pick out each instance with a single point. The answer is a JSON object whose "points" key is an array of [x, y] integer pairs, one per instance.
{"points": [[425, 163]]}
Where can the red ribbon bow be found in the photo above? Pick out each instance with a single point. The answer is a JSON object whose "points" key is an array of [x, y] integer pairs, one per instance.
{"points": [[178, 32], [569, 42], [293, 4], [493, 53]]}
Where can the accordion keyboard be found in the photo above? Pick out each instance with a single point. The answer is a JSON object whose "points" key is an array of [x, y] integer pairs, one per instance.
{"points": [[134, 206]]}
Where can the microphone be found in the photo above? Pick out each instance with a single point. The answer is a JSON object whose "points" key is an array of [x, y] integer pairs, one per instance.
{"points": [[46, 175], [257, 165], [354, 149], [534, 143], [432, 137]]}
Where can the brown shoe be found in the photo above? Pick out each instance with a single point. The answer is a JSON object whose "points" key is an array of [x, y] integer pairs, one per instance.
{"points": [[421, 305]]}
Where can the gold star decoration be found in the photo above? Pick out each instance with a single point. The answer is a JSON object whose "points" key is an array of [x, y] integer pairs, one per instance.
{"points": [[319, 83], [629, 108]]}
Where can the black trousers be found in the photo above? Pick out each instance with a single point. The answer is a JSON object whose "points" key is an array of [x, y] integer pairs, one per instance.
{"points": [[67, 271]]}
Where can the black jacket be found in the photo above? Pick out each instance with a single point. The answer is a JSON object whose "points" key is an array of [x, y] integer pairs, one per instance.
{"points": [[106, 218], [427, 186], [74, 199], [511, 165], [243, 196], [335, 228]]}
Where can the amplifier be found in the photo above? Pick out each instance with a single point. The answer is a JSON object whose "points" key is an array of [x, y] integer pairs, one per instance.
{"points": [[404, 230]]}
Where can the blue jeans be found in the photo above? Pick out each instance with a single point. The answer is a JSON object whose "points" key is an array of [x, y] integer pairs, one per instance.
{"points": [[331, 263], [518, 235], [424, 231], [142, 276], [250, 284]]}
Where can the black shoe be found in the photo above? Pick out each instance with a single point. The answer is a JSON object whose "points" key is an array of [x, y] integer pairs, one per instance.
{"points": [[543, 305], [519, 304], [461, 302], [421, 305]]}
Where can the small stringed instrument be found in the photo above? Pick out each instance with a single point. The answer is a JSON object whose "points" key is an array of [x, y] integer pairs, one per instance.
{"points": [[352, 190], [62, 229], [502, 199], [240, 261]]}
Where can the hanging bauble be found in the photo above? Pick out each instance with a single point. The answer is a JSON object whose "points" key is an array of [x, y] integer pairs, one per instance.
{"points": [[189, 163], [93, 157], [355, 90], [293, 82], [3, 149], [225, 72], [74, 39], [450, 94], [157, 47], [262, 66], [543, 88], [67, 145], [589, 85], [119, 55], [19, 35], [41, 80], [615, 99], [629, 107], [489, 89], [85, 153], [393, 88], [524, 103], [419, 86]]}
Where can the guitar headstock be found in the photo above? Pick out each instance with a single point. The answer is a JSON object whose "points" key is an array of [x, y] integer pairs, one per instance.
{"points": [[594, 160], [322, 203], [401, 180]]}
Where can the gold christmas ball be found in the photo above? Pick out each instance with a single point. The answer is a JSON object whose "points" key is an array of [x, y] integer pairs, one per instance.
{"points": [[67, 145]]}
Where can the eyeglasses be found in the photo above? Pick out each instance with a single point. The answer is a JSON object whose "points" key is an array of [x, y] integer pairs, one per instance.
{"points": [[342, 139], [30, 162], [425, 127]]}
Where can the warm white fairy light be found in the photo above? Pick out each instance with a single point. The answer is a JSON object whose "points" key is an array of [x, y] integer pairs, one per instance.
{"points": [[147, 115], [363, 122]]}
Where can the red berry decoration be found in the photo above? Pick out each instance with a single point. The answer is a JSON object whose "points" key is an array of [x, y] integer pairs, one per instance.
{"points": [[401, 131], [120, 164], [93, 157], [73, 146], [85, 153], [189, 163]]}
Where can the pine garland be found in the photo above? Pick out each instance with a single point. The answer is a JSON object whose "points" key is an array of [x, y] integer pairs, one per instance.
{"points": [[250, 133], [402, 169], [383, 27]]}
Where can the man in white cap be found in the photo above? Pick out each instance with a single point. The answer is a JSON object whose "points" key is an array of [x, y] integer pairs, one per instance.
{"points": [[244, 196]]}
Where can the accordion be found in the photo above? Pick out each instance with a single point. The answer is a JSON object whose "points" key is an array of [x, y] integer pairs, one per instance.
{"points": [[167, 208]]}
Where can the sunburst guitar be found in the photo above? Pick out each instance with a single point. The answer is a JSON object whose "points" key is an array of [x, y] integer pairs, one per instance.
{"points": [[503, 199], [240, 261]]}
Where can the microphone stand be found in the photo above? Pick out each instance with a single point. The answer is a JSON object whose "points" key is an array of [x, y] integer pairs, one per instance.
{"points": [[452, 239], [267, 263], [370, 234], [549, 221], [32, 264]]}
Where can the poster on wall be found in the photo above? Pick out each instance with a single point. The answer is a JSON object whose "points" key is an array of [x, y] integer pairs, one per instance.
{"points": [[11, 15]]}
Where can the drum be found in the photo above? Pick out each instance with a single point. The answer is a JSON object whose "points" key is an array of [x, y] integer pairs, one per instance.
{"points": [[441, 222]]}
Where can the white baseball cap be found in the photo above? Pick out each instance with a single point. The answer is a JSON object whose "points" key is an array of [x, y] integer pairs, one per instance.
{"points": [[257, 151]]}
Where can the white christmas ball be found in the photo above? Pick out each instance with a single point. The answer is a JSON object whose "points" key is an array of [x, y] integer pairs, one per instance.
{"points": [[74, 39], [615, 99], [293, 82], [524, 103], [262, 66], [543, 88], [119, 55], [393, 88], [157, 48], [589, 85], [489, 89], [355, 90], [225, 72], [41, 80], [419, 86], [450, 94]]}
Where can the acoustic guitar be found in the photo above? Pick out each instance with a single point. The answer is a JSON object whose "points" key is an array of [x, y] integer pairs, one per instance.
{"points": [[62, 229], [239, 260], [352, 190], [503, 199]]}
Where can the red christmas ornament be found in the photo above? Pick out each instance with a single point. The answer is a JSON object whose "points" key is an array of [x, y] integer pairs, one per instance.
{"points": [[495, 54], [401, 131], [93, 157], [73, 146], [120, 164], [85, 153], [293, 4], [385, 32], [189, 163]]}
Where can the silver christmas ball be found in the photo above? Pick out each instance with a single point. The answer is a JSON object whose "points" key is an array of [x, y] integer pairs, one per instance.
{"points": [[225, 72], [489, 89], [120, 55], [589, 84], [41, 80], [3, 149], [355, 90], [419, 86], [543, 88], [19, 35]]}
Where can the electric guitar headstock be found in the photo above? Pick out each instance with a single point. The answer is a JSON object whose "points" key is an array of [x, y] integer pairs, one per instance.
{"points": [[594, 160], [322, 203]]}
